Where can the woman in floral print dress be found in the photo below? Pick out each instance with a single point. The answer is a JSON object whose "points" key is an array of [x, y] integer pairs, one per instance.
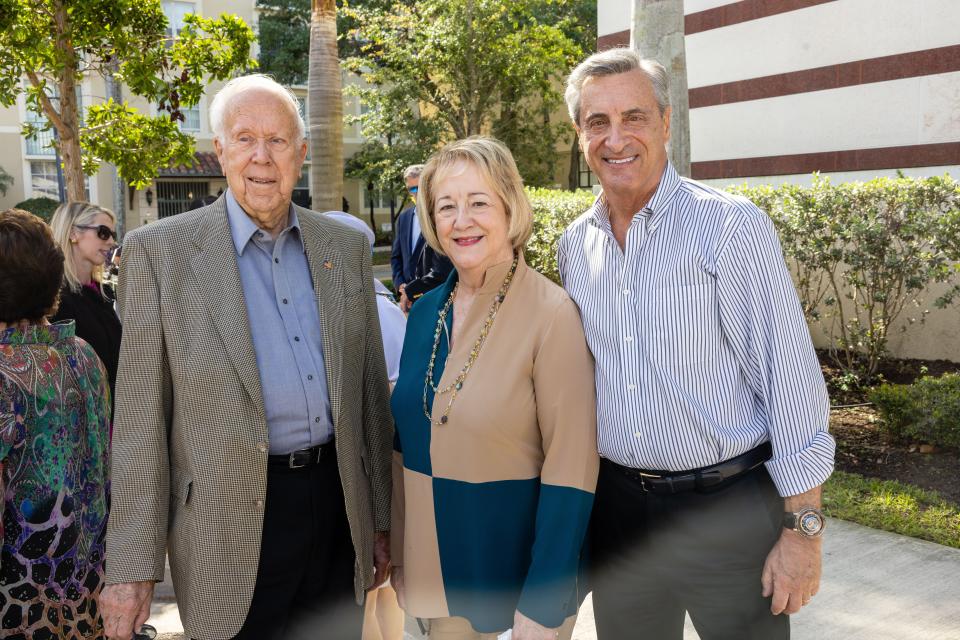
{"points": [[54, 448]]}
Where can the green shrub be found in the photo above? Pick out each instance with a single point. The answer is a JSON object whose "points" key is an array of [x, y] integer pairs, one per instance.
{"points": [[925, 411], [553, 211], [864, 254], [40, 207]]}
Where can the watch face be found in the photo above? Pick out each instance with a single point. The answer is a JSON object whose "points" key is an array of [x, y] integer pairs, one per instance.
{"points": [[811, 523]]}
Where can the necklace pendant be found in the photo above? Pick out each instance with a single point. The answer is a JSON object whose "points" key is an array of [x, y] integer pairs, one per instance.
{"points": [[443, 419]]}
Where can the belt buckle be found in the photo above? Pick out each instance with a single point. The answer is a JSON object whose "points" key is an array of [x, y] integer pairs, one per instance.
{"points": [[292, 461], [643, 480]]}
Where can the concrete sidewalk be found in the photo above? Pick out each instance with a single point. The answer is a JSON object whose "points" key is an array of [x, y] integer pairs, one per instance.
{"points": [[876, 586]]}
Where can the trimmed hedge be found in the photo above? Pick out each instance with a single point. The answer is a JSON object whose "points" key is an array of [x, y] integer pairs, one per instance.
{"points": [[553, 211], [926, 411], [40, 207]]}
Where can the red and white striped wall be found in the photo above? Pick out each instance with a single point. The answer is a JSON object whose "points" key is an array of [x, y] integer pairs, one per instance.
{"points": [[782, 88]]}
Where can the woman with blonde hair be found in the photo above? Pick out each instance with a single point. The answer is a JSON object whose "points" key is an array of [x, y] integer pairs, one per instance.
{"points": [[87, 234], [495, 459]]}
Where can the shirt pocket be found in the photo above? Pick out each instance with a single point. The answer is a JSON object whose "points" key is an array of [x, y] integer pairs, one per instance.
{"points": [[683, 325]]}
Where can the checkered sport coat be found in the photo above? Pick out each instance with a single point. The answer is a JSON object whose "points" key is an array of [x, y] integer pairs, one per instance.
{"points": [[188, 474]]}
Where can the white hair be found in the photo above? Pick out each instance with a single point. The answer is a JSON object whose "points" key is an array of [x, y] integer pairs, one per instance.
{"points": [[612, 62], [237, 86]]}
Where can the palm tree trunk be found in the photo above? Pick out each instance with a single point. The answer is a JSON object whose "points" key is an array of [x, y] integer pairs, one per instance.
{"points": [[658, 33], [325, 107]]}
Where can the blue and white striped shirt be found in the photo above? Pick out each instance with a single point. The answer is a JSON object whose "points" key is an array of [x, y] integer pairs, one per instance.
{"points": [[701, 348]]}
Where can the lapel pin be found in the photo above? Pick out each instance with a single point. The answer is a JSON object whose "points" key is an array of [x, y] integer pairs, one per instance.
{"points": [[327, 264]]}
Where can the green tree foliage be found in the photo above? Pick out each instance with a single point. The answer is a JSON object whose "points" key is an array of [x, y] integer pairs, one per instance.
{"points": [[439, 70], [284, 34], [55, 43]]}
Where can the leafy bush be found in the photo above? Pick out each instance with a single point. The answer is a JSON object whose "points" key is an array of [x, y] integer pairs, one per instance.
{"points": [[553, 211], [863, 253], [926, 411], [40, 207], [6, 181]]}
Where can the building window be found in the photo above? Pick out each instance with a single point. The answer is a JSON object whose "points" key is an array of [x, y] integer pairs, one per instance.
{"points": [[175, 13], [586, 176], [43, 179], [381, 199], [191, 118], [177, 197]]}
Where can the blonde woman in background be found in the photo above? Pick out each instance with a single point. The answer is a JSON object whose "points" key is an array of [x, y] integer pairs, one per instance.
{"points": [[87, 234]]}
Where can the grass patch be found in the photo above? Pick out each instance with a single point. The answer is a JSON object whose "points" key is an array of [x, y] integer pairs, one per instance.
{"points": [[892, 506], [381, 257]]}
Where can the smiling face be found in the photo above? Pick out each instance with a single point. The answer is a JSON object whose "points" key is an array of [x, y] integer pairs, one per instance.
{"points": [[261, 155], [471, 220], [87, 249], [623, 136]]}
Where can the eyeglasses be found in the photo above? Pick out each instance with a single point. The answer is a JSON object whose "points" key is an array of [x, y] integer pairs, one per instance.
{"points": [[103, 231], [245, 142]]}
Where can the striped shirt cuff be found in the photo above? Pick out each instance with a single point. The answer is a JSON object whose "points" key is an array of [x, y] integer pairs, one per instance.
{"points": [[808, 468]]}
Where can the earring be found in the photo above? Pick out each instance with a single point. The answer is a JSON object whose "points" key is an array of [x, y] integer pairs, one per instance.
{"points": [[73, 241]]}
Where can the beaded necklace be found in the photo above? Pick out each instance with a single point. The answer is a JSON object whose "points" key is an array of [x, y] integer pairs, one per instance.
{"points": [[454, 387]]}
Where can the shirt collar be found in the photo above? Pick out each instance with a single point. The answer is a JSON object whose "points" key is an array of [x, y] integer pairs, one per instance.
{"points": [[656, 208], [242, 226]]}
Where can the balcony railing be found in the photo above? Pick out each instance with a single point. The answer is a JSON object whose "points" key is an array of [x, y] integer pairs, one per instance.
{"points": [[40, 146]]}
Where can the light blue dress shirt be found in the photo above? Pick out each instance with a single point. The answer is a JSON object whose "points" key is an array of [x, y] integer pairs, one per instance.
{"points": [[285, 327]]}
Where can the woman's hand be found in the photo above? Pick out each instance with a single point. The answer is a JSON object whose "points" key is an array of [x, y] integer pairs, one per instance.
{"points": [[526, 629], [396, 581]]}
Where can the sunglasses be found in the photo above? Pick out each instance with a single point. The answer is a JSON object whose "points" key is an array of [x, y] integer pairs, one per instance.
{"points": [[413, 190], [103, 231]]}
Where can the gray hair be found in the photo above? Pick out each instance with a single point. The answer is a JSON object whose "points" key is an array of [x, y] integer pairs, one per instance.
{"points": [[612, 62], [237, 86], [413, 171]]}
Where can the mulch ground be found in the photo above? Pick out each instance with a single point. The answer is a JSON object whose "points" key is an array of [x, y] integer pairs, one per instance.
{"points": [[863, 448]]}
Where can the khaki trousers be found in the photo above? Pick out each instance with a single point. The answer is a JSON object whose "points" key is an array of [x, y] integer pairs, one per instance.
{"points": [[459, 629]]}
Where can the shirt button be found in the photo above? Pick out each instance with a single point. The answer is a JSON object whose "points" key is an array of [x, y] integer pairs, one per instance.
{"points": [[631, 387], [638, 434], [310, 376], [259, 504], [317, 419], [626, 292], [277, 260], [262, 446], [284, 301], [628, 338], [296, 338]]}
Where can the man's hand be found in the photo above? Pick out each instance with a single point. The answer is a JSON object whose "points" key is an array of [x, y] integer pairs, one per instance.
{"points": [[526, 629], [381, 558], [791, 573], [405, 302], [125, 607]]}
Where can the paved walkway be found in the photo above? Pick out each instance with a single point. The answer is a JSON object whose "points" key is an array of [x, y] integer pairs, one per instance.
{"points": [[876, 586]]}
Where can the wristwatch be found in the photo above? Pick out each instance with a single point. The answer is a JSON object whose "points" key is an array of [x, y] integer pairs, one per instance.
{"points": [[807, 522]]}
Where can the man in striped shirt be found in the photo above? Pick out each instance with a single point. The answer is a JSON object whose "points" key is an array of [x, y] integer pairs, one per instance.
{"points": [[712, 410]]}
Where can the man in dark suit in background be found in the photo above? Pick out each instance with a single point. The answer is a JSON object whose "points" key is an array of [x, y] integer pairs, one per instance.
{"points": [[416, 267], [407, 243]]}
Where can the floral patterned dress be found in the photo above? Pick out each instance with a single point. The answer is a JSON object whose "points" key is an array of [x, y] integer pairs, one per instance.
{"points": [[54, 452]]}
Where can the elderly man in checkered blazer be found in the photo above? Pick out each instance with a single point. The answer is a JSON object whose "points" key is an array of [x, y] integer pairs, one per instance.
{"points": [[253, 434]]}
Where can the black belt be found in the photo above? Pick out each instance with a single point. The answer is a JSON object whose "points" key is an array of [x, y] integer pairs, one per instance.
{"points": [[712, 477], [304, 457]]}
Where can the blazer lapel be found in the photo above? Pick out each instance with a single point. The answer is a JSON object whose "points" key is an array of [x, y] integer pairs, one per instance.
{"points": [[326, 271], [215, 266]]}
